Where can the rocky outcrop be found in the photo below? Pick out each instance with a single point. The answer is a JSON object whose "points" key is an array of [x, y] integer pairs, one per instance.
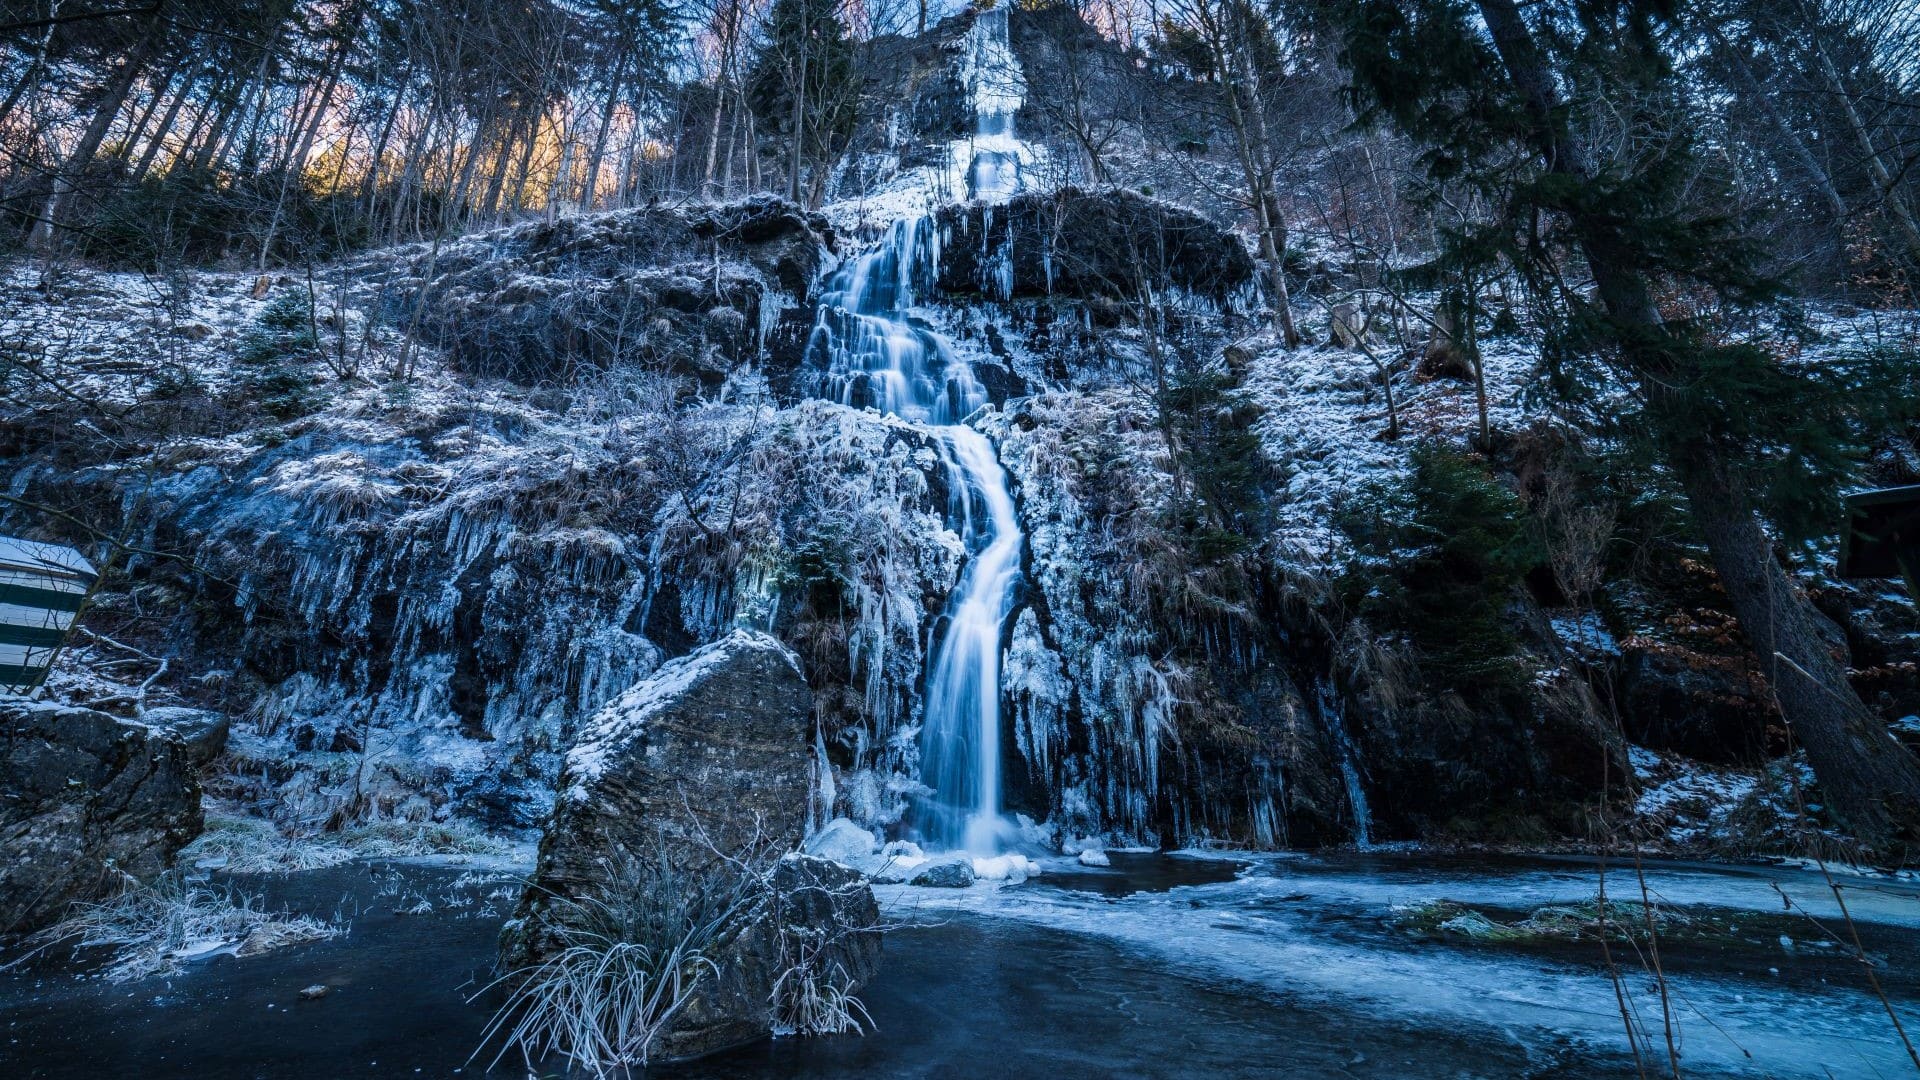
{"points": [[691, 785], [712, 751], [88, 799], [699, 289], [1110, 246], [1521, 766]]}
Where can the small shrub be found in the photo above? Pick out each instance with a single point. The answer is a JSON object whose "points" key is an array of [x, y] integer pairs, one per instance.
{"points": [[279, 349], [1220, 455], [284, 332], [1442, 559]]}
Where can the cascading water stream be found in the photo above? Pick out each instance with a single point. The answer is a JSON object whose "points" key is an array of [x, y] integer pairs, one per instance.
{"points": [[876, 354], [960, 742]]}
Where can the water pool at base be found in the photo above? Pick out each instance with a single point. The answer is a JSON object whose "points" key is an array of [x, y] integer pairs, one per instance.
{"points": [[1160, 967]]}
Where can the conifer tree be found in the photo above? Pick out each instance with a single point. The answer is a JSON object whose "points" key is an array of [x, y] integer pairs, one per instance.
{"points": [[1511, 100]]}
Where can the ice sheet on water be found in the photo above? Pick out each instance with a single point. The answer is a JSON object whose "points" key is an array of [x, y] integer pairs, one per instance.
{"points": [[1264, 929]]}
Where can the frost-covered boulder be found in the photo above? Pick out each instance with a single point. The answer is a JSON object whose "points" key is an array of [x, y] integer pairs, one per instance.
{"points": [[675, 807], [948, 872], [713, 751], [843, 842], [699, 289], [88, 799], [201, 731]]}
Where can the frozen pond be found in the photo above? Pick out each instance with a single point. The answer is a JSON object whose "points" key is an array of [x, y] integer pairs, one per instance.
{"points": [[1270, 966]]}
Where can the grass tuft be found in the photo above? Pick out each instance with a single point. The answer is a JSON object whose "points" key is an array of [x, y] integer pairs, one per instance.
{"points": [[154, 929]]}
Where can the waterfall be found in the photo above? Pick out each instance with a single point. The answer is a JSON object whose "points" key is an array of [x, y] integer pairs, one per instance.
{"points": [[875, 353], [960, 739], [1335, 721]]}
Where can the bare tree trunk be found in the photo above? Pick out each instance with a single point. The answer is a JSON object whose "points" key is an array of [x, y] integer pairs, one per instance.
{"points": [[721, 81], [797, 117], [561, 190], [229, 108], [457, 200], [307, 128], [733, 142], [623, 192], [1871, 783], [313, 109], [1246, 115], [592, 189], [256, 118], [751, 150], [523, 170], [1757, 96], [34, 67], [371, 181], [1890, 193], [200, 117], [139, 126], [412, 168], [68, 179], [159, 138]]}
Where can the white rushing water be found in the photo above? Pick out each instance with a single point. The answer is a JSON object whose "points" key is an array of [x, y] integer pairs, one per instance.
{"points": [[877, 354]]}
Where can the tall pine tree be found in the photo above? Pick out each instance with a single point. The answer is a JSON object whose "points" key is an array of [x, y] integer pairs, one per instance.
{"points": [[1510, 100]]}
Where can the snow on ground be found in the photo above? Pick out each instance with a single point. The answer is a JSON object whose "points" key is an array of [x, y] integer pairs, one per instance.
{"points": [[1684, 800], [1325, 421], [105, 335]]}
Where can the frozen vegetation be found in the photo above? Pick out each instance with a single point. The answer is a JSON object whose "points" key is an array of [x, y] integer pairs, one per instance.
{"points": [[1054, 473]]}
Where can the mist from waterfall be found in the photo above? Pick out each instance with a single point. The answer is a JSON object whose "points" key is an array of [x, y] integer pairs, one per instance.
{"points": [[877, 354]]}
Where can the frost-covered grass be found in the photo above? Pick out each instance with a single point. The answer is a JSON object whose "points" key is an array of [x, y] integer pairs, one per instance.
{"points": [[613, 970], [236, 842], [600, 1000], [814, 996], [154, 929]]}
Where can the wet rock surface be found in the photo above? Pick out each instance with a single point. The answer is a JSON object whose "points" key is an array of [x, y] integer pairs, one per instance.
{"points": [[87, 799]]}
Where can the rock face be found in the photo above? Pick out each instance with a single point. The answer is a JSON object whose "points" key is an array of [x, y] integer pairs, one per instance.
{"points": [[86, 797], [1104, 245], [690, 784], [714, 743], [699, 289]]}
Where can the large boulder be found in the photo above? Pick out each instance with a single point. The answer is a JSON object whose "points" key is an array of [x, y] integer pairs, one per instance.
{"points": [[682, 797], [88, 800]]}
